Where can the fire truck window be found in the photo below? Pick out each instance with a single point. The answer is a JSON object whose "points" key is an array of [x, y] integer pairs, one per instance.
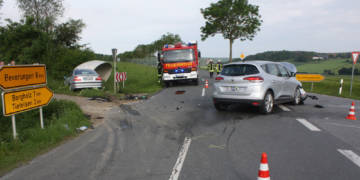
{"points": [[179, 55]]}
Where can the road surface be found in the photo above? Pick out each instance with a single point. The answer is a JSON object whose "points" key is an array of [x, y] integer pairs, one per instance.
{"points": [[182, 136]]}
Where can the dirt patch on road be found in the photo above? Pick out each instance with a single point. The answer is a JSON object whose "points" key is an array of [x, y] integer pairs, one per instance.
{"points": [[95, 108]]}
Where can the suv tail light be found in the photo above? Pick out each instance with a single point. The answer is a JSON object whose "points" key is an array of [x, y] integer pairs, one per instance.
{"points": [[193, 69], [76, 78], [254, 79], [219, 78], [98, 78], [166, 71]]}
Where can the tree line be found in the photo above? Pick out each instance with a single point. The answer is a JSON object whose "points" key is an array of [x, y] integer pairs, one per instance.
{"points": [[148, 50], [297, 56]]}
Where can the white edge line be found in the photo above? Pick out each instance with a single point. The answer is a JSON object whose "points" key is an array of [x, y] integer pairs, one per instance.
{"points": [[308, 125], [203, 92], [351, 156], [284, 108], [180, 160]]}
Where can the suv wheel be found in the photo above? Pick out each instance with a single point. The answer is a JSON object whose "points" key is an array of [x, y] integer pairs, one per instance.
{"points": [[267, 105], [297, 97]]}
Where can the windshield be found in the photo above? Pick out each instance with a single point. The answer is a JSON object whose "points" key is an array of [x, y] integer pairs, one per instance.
{"points": [[85, 72], [179, 55], [239, 70]]}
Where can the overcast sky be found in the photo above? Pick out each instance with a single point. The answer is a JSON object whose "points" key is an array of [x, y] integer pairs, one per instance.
{"points": [[310, 25]]}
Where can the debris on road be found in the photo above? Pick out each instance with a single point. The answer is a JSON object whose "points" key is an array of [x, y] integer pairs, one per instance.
{"points": [[178, 108], [99, 98], [132, 97], [180, 92], [82, 128]]}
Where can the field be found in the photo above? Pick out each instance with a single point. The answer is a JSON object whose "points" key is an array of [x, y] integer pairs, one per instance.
{"points": [[140, 79], [330, 86], [319, 67]]}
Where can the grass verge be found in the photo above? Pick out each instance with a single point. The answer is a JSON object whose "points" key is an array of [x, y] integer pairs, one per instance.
{"points": [[61, 118], [330, 86]]}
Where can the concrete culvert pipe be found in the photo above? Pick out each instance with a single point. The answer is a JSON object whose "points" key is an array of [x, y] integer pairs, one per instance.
{"points": [[103, 68]]}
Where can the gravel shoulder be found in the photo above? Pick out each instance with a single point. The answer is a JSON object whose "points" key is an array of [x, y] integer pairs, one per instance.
{"points": [[95, 108]]}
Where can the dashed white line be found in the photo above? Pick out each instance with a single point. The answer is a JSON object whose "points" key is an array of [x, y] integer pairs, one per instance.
{"points": [[284, 108], [180, 161], [203, 92], [310, 126], [351, 156]]}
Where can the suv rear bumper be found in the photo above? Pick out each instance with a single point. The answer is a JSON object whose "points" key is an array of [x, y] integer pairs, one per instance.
{"points": [[239, 101]]}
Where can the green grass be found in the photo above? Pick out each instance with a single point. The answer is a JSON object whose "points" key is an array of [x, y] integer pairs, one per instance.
{"points": [[61, 118], [320, 66], [140, 79], [330, 86]]}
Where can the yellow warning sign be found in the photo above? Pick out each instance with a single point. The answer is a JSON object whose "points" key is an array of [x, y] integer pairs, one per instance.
{"points": [[309, 77], [24, 100], [242, 56]]}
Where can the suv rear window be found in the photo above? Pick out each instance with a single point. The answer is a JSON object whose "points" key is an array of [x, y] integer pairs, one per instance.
{"points": [[239, 70]]}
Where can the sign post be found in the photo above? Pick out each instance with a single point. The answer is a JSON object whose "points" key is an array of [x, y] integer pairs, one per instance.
{"points": [[13, 125], [114, 52], [355, 56]]}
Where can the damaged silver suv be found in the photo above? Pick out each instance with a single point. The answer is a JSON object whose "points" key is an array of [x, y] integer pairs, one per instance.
{"points": [[259, 83]]}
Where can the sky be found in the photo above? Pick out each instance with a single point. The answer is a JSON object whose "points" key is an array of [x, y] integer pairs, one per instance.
{"points": [[306, 25]]}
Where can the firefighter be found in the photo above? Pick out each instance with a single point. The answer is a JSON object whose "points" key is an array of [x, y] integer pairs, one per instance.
{"points": [[219, 67], [211, 68], [159, 68]]}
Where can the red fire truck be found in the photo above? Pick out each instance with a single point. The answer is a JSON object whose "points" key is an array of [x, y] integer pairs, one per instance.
{"points": [[180, 62]]}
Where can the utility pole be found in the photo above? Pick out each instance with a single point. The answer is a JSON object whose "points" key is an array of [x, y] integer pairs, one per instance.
{"points": [[114, 52]]}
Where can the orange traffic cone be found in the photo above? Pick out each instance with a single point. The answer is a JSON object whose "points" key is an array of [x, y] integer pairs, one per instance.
{"points": [[264, 173], [351, 114], [206, 84]]}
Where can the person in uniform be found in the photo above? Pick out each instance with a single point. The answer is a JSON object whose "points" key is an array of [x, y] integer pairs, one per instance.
{"points": [[159, 68], [211, 68], [219, 67]]}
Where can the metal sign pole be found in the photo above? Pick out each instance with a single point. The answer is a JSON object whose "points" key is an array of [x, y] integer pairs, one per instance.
{"points": [[352, 78], [114, 52], [41, 118], [13, 125], [341, 85]]}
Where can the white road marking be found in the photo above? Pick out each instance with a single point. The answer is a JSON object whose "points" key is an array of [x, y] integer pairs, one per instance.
{"points": [[351, 156], [203, 92], [180, 161], [310, 126], [284, 108]]}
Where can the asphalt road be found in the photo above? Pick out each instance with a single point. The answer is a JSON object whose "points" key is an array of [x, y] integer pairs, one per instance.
{"points": [[182, 136]]}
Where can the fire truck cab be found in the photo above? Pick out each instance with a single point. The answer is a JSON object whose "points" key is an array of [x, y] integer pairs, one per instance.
{"points": [[180, 62]]}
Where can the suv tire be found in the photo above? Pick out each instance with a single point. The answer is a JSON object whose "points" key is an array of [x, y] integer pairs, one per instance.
{"points": [[267, 105]]}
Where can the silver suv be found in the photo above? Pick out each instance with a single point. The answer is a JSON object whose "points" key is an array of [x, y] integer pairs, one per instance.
{"points": [[259, 83]]}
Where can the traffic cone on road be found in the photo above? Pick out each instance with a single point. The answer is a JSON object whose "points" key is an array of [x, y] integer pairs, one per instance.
{"points": [[206, 84], [351, 114], [264, 173]]}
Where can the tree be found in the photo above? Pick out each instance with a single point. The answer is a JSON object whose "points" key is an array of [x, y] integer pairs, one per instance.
{"points": [[234, 19], [45, 12], [68, 33]]}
